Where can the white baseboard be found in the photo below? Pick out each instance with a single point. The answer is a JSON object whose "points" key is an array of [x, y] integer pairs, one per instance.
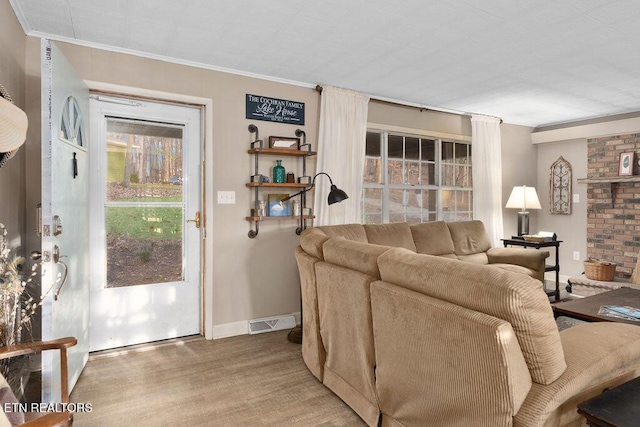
{"points": [[233, 329], [229, 329]]}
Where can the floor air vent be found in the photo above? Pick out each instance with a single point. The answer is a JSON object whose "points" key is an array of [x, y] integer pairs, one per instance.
{"points": [[268, 324]]}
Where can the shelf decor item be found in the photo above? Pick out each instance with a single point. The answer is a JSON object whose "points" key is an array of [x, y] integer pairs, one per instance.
{"points": [[278, 207], [284, 142], [279, 174], [626, 164]]}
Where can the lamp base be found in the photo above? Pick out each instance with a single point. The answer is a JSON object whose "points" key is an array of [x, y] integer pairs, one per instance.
{"points": [[295, 335], [523, 223]]}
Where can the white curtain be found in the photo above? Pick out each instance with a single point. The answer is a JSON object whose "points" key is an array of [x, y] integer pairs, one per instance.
{"points": [[487, 175], [341, 150]]}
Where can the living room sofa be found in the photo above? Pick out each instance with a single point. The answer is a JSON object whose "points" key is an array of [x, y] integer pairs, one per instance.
{"points": [[408, 334]]}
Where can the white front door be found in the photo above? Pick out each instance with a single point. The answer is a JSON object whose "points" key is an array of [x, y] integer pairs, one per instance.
{"points": [[145, 232], [65, 216]]}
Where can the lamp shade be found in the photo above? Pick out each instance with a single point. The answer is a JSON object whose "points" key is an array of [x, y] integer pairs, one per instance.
{"points": [[336, 195], [524, 198]]}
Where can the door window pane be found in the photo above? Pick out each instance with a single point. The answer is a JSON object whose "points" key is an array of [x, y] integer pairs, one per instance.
{"points": [[144, 162], [144, 245], [144, 213]]}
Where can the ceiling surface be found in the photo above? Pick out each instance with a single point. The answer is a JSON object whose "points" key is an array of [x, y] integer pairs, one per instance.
{"points": [[532, 63]]}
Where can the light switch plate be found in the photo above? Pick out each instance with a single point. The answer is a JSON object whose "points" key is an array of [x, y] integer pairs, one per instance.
{"points": [[226, 197], [576, 198]]}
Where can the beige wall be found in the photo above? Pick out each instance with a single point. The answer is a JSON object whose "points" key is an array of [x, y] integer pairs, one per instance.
{"points": [[12, 77], [571, 229], [519, 167]]}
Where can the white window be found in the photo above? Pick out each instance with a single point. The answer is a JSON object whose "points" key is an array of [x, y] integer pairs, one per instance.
{"points": [[416, 179]]}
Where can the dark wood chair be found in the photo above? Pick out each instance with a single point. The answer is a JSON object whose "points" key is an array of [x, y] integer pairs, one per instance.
{"points": [[49, 419]]}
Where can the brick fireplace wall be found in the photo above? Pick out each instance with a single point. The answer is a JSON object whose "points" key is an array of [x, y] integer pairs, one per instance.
{"points": [[613, 207]]}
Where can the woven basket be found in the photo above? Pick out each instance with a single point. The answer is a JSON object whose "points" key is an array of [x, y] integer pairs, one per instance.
{"points": [[599, 270]]}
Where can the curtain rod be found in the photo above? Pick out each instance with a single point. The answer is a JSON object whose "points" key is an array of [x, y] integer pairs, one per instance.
{"points": [[318, 89]]}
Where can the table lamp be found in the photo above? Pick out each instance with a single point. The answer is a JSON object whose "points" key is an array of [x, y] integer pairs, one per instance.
{"points": [[523, 198]]}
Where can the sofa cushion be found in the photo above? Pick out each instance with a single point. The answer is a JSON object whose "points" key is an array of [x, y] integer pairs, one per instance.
{"points": [[479, 258], [469, 237], [396, 234], [362, 257], [312, 239], [432, 238], [516, 298], [516, 269], [348, 231]]}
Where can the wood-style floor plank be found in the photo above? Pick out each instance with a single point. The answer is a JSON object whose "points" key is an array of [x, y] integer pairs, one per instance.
{"points": [[249, 380]]}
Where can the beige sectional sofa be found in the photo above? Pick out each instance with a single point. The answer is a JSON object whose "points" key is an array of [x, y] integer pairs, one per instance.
{"points": [[407, 338]]}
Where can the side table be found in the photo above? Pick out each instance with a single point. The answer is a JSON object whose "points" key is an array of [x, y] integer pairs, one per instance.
{"points": [[617, 407], [538, 245]]}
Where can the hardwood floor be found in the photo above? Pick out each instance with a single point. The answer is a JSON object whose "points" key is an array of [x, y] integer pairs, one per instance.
{"points": [[249, 380]]}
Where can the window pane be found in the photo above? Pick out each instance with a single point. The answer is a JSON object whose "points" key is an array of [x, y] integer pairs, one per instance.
{"points": [[373, 144], [430, 200], [412, 148], [396, 175], [373, 159], [373, 170], [397, 201], [372, 201], [396, 217], [461, 176], [395, 147], [461, 153], [144, 245], [428, 176], [428, 150], [373, 219], [447, 175], [447, 152], [413, 173]]}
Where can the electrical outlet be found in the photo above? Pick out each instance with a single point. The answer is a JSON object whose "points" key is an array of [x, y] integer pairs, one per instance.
{"points": [[576, 256], [226, 197]]}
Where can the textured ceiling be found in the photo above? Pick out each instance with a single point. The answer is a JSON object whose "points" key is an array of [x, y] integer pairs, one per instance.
{"points": [[529, 62]]}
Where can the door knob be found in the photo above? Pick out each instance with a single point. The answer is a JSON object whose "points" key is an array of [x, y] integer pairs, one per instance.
{"points": [[36, 255]]}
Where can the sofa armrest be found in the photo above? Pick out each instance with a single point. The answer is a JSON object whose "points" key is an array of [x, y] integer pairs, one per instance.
{"points": [[598, 356], [533, 260]]}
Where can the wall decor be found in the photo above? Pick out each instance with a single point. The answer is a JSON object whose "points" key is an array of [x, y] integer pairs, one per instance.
{"points": [[284, 142], [626, 164], [560, 187], [274, 109], [277, 207]]}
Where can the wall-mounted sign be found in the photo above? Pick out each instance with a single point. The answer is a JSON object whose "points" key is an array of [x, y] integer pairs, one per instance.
{"points": [[275, 110]]}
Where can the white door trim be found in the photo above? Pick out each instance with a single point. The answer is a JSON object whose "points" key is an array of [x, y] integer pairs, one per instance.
{"points": [[207, 181]]}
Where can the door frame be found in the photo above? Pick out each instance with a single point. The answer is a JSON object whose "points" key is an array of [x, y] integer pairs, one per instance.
{"points": [[206, 176]]}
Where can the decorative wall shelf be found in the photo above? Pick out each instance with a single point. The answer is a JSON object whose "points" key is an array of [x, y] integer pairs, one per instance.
{"points": [[276, 184], [610, 180], [609, 190], [257, 150]]}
